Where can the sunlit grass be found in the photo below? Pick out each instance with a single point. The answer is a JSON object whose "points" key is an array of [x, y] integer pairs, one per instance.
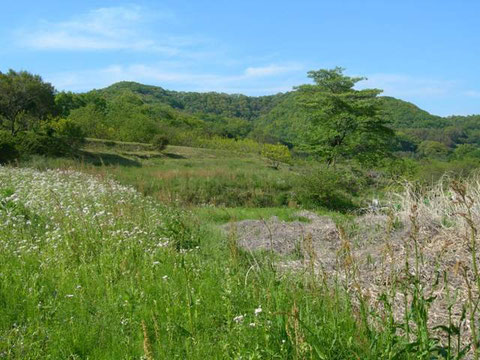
{"points": [[92, 269]]}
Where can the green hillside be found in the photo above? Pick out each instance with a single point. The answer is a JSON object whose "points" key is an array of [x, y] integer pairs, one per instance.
{"points": [[129, 111]]}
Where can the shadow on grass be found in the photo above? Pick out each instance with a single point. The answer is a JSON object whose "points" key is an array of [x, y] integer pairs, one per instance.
{"points": [[99, 159], [174, 156]]}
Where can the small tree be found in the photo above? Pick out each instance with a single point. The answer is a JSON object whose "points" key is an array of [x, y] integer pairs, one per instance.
{"points": [[160, 142], [464, 151], [25, 99], [433, 149], [343, 122], [70, 131], [8, 150], [276, 154]]}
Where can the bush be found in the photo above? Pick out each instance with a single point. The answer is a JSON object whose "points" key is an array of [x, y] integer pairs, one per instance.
{"points": [[8, 151], [276, 154], [160, 142], [464, 151], [69, 131], [30, 143], [333, 189], [433, 149]]}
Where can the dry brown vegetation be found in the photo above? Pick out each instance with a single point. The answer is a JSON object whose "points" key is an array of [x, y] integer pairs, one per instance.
{"points": [[411, 268]]}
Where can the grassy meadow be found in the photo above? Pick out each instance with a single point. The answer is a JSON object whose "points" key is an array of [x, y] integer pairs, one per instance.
{"points": [[118, 254], [187, 176], [91, 269]]}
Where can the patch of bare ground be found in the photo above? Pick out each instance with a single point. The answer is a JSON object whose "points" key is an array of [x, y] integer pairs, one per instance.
{"points": [[421, 256]]}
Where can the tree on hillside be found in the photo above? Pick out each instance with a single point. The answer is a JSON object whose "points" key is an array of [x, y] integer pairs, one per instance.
{"points": [[463, 151], [343, 122], [68, 101], [433, 149], [276, 154], [25, 100]]}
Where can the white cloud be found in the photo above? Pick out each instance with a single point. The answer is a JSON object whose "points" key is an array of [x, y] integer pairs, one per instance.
{"points": [[406, 86], [271, 70], [112, 28]]}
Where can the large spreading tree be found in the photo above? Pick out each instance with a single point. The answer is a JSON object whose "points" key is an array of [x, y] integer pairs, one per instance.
{"points": [[25, 100], [343, 122]]}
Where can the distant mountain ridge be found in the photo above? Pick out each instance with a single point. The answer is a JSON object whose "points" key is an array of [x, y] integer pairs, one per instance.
{"points": [[400, 113]]}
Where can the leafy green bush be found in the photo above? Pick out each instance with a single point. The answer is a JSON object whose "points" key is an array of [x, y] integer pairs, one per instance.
{"points": [[160, 142], [401, 168], [463, 151], [433, 149], [8, 151], [30, 143], [70, 131], [276, 154], [330, 188]]}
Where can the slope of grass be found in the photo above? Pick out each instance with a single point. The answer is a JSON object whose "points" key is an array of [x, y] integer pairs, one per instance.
{"points": [[186, 176], [91, 269]]}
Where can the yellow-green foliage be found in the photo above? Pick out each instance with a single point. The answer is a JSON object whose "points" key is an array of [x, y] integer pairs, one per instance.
{"points": [[276, 154]]}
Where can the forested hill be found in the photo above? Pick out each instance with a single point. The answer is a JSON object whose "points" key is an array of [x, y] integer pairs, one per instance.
{"points": [[400, 114], [273, 118], [236, 105]]}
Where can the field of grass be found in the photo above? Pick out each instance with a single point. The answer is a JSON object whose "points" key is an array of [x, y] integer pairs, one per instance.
{"points": [[118, 254], [187, 176], [90, 269]]}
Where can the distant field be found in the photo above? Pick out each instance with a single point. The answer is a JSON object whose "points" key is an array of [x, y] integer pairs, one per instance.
{"points": [[185, 175]]}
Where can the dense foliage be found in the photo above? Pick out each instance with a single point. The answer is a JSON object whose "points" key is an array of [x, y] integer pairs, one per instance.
{"points": [[130, 111], [25, 101], [29, 119], [43, 121], [343, 122]]}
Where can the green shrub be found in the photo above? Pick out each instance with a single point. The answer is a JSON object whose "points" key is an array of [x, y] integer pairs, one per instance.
{"points": [[464, 151], [330, 188], [160, 142], [69, 131], [276, 154], [433, 149], [8, 151], [30, 143]]}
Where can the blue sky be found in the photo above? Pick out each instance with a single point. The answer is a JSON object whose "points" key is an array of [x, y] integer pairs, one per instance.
{"points": [[423, 51]]}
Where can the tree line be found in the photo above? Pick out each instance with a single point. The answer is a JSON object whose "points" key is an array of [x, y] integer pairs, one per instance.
{"points": [[328, 119]]}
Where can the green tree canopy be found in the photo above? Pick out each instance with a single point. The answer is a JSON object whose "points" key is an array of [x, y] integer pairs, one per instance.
{"points": [[25, 99], [433, 149], [343, 122], [463, 151]]}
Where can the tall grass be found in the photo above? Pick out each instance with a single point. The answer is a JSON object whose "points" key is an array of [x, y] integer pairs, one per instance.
{"points": [[423, 292], [92, 269]]}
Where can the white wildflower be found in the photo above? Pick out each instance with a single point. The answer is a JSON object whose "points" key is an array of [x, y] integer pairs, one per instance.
{"points": [[239, 319]]}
